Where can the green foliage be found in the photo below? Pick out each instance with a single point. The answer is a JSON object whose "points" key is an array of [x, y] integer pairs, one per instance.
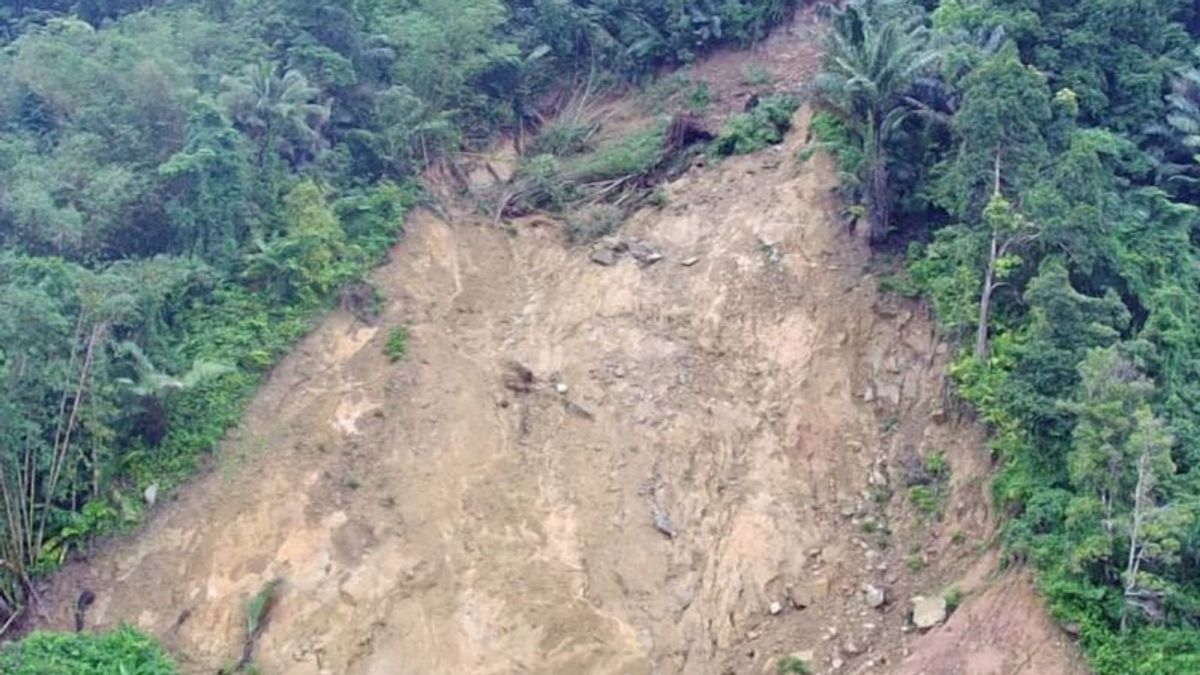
{"points": [[699, 98], [792, 665], [755, 75], [1048, 194], [584, 178], [763, 126], [953, 597], [259, 606], [877, 51], [122, 651], [396, 345], [926, 499]]}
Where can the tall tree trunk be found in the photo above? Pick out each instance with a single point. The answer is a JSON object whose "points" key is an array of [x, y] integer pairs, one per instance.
{"points": [[985, 300], [878, 209], [1135, 544]]}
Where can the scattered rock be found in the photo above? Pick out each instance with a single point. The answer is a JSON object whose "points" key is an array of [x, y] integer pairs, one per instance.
{"points": [[561, 388], [875, 596], [662, 523], [151, 494], [928, 612], [888, 392], [643, 253], [809, 593], [688, 262], [836, 663], [618, 371], [604, 256], [851, 648], [775, 608]]}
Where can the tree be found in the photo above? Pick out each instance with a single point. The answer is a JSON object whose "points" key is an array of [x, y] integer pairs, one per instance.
{"points": [[1005, 107], [872, 62], [277, 108], [207, 180], [1120, 462], [1009, 231]]}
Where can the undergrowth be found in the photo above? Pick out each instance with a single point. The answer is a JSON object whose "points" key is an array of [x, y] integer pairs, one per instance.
{"points": [[124, 651], [757, 129]]}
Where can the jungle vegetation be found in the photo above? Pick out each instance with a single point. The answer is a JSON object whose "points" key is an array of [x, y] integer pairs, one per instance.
{"points": [[1034, 163]]}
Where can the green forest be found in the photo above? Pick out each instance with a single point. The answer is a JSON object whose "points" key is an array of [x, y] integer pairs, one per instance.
{"points": [[1034, 164], [185, 185]]}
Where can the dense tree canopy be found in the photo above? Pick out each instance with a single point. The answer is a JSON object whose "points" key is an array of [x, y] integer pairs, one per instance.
{"points": [[1048, 206]]}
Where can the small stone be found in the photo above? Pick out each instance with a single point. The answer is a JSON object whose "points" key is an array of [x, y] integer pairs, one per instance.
{"points": [[875, 596], [689, 261], [928, 612], [850, 648], [561, 388], [775, 608], [837, 663], [151, 494], [604, 256], [618, 371]]}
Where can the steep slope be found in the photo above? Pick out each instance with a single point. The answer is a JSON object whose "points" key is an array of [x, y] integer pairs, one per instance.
{"points": [[703, 472]]}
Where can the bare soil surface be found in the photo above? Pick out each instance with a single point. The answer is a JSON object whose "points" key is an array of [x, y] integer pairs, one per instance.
{"points": [[688, 466]]}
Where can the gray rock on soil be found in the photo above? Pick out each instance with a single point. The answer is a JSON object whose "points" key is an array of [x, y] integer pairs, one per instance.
{"points": [[928, 612], [874, 596], [604, 256]]}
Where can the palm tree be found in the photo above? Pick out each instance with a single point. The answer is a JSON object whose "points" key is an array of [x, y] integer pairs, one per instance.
{"points": [[1184, 100], [275, 108], [872, 63]]}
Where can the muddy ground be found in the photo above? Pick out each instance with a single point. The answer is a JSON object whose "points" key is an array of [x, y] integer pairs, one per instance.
{"points": [[688, 466]]}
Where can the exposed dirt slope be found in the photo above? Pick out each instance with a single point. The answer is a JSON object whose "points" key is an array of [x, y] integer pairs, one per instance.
{"points": [[427, 518], [706, 468]]}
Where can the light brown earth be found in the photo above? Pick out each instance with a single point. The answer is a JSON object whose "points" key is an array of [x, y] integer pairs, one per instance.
{"points": [[427, 517]]}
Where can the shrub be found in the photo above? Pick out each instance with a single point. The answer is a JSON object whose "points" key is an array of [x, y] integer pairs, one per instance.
{"points": [[123, 651], [592, 222], [755, 75], [763, 126], [396, 346]]}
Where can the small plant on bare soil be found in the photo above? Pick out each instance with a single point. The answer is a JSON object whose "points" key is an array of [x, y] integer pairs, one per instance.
{"points": [[792, 665], [755, 75], [396, 346]]}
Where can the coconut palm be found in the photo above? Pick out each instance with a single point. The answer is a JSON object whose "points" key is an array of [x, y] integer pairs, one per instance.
{"points": [[874, 57], [1184, 100], [275, 108]]}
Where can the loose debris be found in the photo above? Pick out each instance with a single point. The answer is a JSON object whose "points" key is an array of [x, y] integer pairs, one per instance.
{"points": [[609, 250]]}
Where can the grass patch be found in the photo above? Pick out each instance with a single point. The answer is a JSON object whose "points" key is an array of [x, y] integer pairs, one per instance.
{"points": [[124, 650], [792, 665]]}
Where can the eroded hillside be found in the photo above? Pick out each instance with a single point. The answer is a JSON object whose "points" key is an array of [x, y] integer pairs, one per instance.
{"points": [[693, 464], [684, 486]]}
